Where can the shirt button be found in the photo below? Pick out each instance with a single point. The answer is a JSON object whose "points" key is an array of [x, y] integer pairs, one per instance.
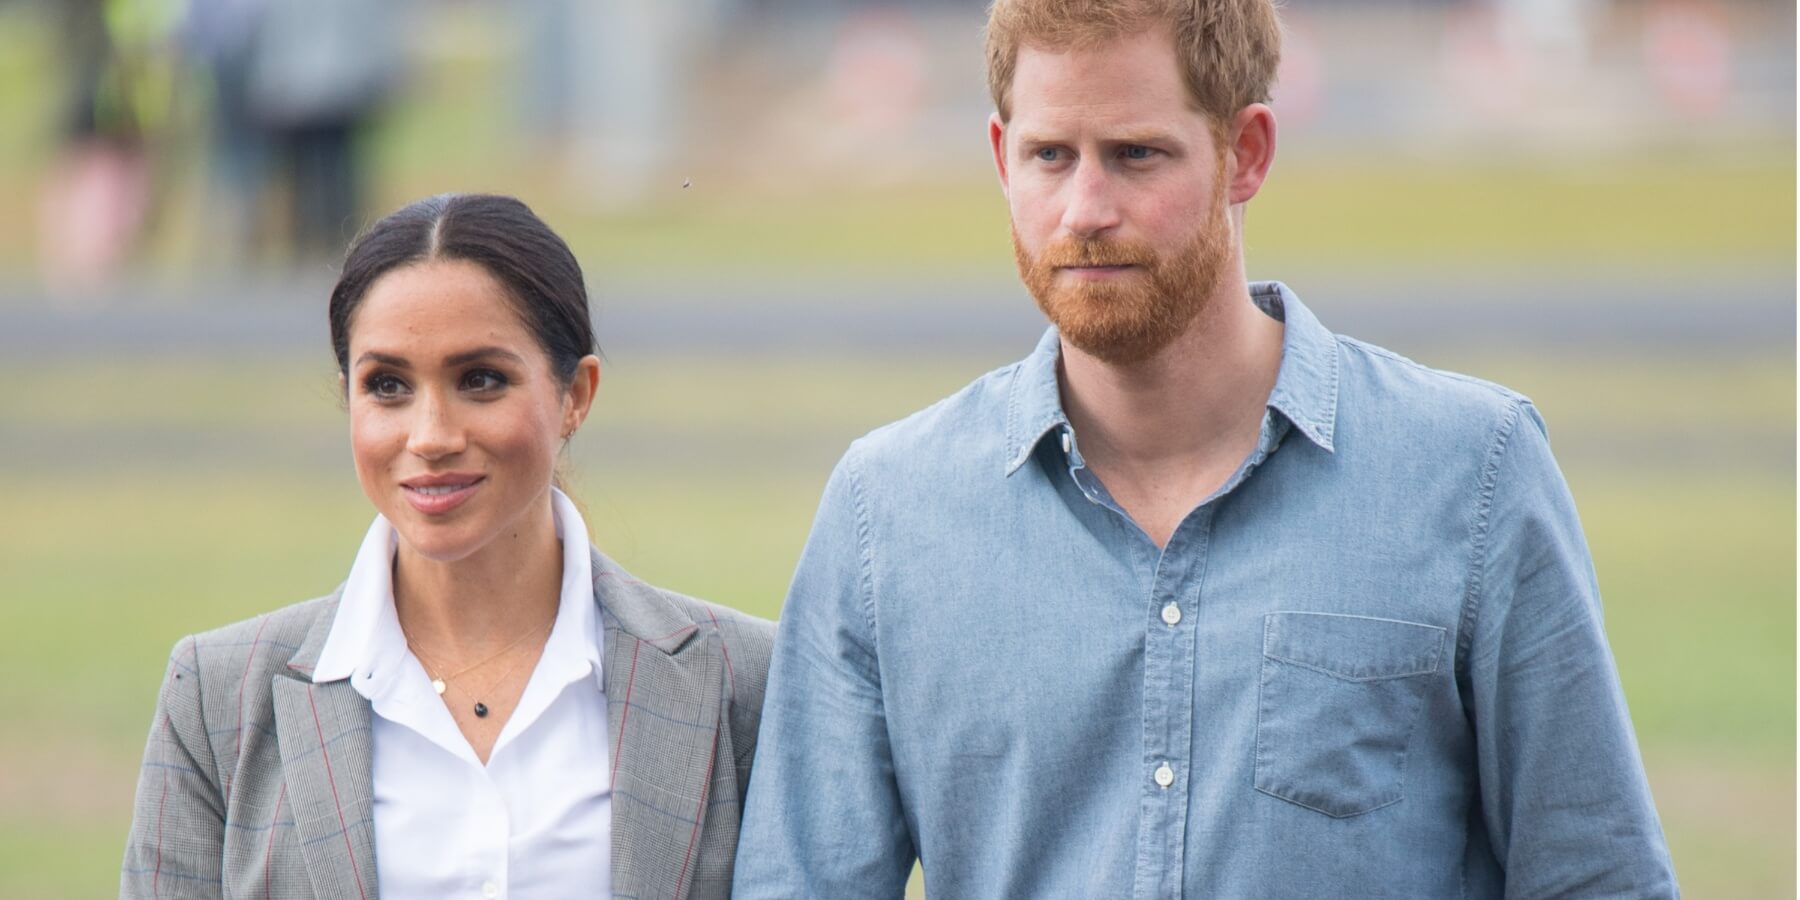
{"points": [[1067, 443], [490, 890], [1171, 614], [1165, 776]]}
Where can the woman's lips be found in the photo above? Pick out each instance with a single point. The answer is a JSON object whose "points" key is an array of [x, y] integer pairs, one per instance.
{"points": [[438, 495]]}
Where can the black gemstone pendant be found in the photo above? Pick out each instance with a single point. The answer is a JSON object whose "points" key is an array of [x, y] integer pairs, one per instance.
{"points": [[481, 710]]}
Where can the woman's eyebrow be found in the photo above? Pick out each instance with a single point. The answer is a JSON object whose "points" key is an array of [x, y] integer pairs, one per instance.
{"points": [[386, 359], [469, 356]]}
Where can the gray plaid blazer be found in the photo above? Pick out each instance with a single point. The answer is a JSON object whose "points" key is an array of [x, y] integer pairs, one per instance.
{"points": [[256, 781]]}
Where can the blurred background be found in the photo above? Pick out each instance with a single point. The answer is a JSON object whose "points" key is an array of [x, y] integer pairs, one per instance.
{"points": [[792, 233]]}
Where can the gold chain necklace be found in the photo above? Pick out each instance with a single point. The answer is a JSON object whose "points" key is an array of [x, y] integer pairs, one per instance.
{"points": [[481, 709], [441, 682]]}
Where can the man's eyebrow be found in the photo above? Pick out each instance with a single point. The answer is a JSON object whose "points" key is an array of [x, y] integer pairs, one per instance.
{"points": [[1144, 136], [1028, 138], [1131, 136], [479, 353]]}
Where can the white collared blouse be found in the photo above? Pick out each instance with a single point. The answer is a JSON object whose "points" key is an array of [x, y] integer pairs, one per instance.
{"points": [[536, 821]]}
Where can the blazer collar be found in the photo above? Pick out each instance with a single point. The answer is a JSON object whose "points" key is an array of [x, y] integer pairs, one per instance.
{"points": [[306, 658], [638, 610], [326, 763], [664, 683]]}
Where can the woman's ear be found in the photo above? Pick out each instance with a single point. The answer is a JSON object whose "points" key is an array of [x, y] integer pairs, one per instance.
{"points": [[582, 388]]}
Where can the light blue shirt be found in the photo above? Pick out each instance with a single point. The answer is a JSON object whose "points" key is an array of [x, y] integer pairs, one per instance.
{"points": [[1372, 664]]}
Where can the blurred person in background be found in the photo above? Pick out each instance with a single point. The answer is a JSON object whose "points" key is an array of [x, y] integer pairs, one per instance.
{"points": [[488, 706], [219, 37], [1199, 599], [98, 197], [312, 75]]}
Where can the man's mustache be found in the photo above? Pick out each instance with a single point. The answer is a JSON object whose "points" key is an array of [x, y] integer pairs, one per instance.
{"points": [[1096, 252]]}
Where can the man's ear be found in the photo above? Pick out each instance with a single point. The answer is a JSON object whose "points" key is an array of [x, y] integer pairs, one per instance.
{"points": [[997, 143], [1250, 143]]}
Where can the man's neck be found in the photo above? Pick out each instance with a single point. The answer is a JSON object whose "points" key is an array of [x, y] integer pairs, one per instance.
{"points": [[1165, 433]]}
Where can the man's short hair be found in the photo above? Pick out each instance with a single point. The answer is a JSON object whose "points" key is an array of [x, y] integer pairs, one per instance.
{"points": [[1228, 49]]}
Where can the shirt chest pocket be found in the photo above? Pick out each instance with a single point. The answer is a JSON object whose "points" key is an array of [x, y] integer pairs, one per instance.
{"points": [[1338, 701]]}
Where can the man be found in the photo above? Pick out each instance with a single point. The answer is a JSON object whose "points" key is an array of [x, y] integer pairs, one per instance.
{"points": [[1199, 599]]}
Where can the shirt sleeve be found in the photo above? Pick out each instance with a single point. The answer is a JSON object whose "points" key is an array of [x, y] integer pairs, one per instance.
{"points": [[824, 816], [1564, 798], [177, 840]]}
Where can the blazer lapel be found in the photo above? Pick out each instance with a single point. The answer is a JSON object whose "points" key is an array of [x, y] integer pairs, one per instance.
{"points": [[326, 761], [663, 682]]}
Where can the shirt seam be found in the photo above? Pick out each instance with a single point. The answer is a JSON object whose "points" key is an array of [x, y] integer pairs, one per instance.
{"points": [[1012, 417], [1368, 349], [864, 551], [1327, 423], [1479, 531]]}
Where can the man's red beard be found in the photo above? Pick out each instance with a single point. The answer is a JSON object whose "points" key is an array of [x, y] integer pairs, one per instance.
{"points": [[1131, 317]]}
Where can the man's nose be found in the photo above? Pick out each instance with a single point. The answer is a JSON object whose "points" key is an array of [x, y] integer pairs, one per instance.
{"points": [[1093, 207]]}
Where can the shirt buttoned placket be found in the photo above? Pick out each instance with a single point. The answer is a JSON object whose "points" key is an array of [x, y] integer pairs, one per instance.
{"points": [[1169, 710], [488, 808], [1168, 688], [1170, 664]]}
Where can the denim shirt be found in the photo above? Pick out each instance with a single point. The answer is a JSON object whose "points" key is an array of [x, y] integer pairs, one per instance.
{"points": [[1372, 664]]}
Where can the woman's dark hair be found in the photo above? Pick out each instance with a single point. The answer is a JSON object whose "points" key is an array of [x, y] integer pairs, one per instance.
{"points": [[500, 234]]}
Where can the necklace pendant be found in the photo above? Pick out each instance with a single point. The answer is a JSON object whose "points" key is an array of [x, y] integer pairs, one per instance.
{"points": [[437, 684], [481, 710]]}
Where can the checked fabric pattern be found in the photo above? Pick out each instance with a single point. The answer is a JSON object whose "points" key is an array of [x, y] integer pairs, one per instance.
{"points": [[256, 781]]}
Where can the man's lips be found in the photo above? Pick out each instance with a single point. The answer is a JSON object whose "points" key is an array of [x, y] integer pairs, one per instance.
{"points": [[1096, 271], [439, 494]]}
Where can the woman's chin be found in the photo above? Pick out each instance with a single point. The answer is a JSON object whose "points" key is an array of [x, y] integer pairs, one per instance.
{"points": [[439, 544]]}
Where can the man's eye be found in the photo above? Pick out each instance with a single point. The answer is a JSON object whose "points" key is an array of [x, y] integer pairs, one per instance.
{"points": [[483, 380], [384, 386], [1138, 151], [1048, 154]]}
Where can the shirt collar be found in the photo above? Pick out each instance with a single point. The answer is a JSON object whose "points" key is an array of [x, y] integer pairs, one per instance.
{"points": [[366, 638], [1305, 385], [574, 642], [1035, 404]]}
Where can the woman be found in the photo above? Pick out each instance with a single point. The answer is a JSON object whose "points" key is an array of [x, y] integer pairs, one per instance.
{"points": [[487, 707]]}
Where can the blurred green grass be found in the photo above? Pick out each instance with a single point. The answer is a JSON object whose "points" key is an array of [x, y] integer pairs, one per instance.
{"points": [[109, 559]]}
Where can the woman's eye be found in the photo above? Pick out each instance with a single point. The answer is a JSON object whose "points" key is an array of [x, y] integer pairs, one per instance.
{"points": [[384, 386], [483, 380]]}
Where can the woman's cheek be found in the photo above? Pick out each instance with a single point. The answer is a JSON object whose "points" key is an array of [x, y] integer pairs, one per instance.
{"points": [[373, 442], [527, 437]]}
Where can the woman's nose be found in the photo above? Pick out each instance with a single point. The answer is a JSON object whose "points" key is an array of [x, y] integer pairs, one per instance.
{"points": [[436, 432]]}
